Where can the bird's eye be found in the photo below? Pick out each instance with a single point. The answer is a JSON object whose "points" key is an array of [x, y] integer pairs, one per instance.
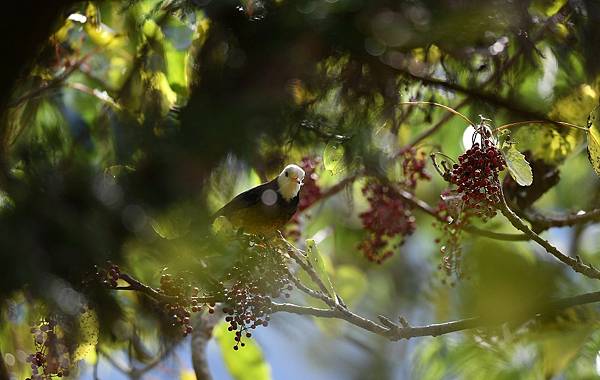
{"points": [[286, 173]]}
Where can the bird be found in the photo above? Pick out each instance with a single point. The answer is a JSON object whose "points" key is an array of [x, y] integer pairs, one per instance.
{"points": [[266, 208]]}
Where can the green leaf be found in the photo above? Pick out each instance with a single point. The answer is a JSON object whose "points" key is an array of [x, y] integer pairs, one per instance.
{"points": [[333, 158], [517, 165], [88, 337], [248, 362], [222, 227], [593, 139], [314, 256], [174, 223], [559, 348], [351, 283]]}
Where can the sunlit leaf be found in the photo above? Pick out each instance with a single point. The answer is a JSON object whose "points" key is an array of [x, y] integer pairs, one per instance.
{"points": [[248, 362], [88, 337], [548, 142], [559, 349], [317, 262], [548, 7], [300, 93], [351, 283], [118, 170], [552, 143], [593, 139], [333, 158], [187, 374], [173, 224], [222, 226], [517, 165]]}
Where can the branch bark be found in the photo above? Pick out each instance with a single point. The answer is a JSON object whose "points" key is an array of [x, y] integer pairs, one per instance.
{"points": [[402, 330], [575, 263], [541, 222], [203, 328]]}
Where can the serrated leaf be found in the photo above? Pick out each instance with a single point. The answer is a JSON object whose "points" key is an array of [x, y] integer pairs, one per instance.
{"points": [[333, 158], [315, 258], [593, 139], [248, 362], [517, 165]]}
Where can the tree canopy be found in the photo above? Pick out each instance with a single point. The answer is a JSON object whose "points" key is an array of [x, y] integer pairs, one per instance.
{"points": [[447, 224]]}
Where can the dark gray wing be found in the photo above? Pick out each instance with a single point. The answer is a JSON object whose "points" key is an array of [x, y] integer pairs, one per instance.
{"points": [[246, 199]]}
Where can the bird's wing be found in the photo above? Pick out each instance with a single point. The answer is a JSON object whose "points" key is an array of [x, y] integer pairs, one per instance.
{"points": [[244, 200]]}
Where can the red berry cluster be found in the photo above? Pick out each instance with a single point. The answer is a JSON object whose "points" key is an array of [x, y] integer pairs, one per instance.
{"points": [[310, 193], [389, 216], [260, 275], [476, 178], [51, 358], [413, 168], [477, 194], [186, 302]]}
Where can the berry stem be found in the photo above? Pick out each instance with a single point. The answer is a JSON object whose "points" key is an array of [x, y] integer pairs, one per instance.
{"points": [[529, 122], [449, 109]]}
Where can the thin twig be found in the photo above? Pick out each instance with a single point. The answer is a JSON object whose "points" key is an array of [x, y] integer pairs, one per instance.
{"points": [[575, 263], [449, 109], [436, 126], [333, 190], [541, 222], [298, 255], [54, 82], [492, 79], [118, 366], [136, 285], [425, 207]]}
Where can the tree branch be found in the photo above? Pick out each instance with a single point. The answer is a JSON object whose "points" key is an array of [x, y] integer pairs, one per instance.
{"points": [[402, 330], [203, 328], [492, 79], [136, 285], [425, 207], [541, 222], [575, 263]]}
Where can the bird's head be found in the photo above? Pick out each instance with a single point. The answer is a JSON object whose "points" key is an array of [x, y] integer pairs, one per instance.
{"points": [[289, 181]]}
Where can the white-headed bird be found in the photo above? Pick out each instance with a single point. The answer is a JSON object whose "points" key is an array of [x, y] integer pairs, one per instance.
{"points": [[266, 208]]}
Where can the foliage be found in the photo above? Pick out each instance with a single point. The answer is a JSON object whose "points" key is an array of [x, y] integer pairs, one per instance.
{"points": [[130, 123]]}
